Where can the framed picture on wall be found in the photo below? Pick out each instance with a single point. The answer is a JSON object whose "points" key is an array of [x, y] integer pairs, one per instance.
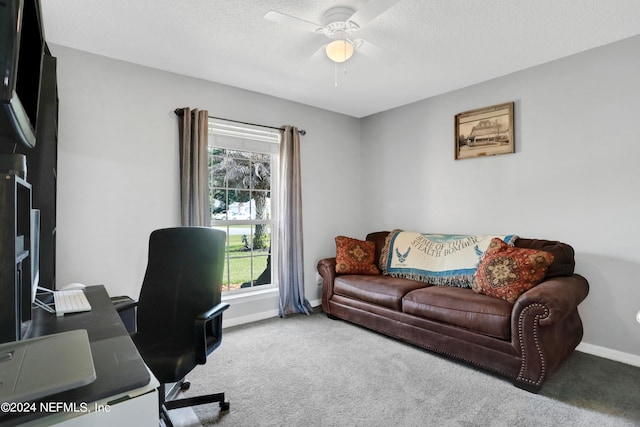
{"points": [[484, 132]]}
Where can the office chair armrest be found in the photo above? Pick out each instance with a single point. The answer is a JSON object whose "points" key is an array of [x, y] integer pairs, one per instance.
{"points": [[213, 312], [123, 303], [207, 328]]}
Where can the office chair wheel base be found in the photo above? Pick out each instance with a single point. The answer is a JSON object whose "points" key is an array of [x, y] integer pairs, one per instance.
{"points": [[185, 386], [224, 406]]}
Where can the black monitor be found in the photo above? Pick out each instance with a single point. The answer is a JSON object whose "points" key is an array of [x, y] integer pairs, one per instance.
{"points": [[21, 51]]}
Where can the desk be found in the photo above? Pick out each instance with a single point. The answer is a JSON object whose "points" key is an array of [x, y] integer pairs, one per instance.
{"points": [[124, 392]]}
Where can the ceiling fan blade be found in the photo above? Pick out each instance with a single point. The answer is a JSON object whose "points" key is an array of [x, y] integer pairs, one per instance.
{"points": [[371, 10], [376, 52], [292, 21]]}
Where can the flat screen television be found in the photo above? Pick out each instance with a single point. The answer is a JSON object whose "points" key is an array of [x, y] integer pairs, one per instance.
{"points": [[21, 51]]}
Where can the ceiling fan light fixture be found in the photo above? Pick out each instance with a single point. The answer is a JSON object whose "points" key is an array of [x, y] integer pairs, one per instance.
{"points": [[339, 50]]}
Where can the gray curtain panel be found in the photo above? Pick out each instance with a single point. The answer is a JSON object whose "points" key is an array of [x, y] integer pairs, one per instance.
{"points": [[290, 256], [194, 186]]}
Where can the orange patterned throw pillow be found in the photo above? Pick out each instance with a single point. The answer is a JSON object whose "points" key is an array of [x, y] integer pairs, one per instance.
{"points": [[507, 272], [355, 256]]}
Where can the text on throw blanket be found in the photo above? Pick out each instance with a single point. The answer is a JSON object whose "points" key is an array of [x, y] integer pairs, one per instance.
{"points": [[443, 249]]}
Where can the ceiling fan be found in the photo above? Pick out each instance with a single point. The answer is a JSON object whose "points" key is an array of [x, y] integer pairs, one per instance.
{"points": [[340, 25]]}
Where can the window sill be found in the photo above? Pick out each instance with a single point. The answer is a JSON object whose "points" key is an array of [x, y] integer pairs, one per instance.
{"points": [[255, 294]]}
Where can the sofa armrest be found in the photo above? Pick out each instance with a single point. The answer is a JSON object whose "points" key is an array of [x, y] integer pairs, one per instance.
{"points": [[546, 327], [327, 269], [560, 295]]}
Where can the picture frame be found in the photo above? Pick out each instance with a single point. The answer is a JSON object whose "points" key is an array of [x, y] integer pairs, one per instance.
{"points": [[484, 131]]}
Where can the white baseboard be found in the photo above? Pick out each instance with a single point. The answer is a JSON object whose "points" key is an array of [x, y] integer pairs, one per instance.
{"points": [[254, 317], [607, 353], [248, 319]]}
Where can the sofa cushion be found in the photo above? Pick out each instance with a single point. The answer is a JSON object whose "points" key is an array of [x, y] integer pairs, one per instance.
{"points": [[355, 256], [507, 272], [461, 307], [380, 290]]}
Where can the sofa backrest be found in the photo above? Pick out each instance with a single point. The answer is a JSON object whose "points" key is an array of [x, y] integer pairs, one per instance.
{"points": [[378, 238], [563, 254]]}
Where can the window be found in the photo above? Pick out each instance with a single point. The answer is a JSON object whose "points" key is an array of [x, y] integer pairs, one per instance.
{"points": [[242, 199]]}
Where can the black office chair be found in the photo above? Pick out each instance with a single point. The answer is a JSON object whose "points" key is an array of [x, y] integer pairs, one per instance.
{"points": [[179, 314]]}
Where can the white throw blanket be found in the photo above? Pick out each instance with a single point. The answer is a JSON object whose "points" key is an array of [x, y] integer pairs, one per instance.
{"points": [[438, 259]]}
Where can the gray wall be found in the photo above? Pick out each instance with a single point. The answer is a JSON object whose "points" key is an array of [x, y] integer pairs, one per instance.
{"points": [[574, 176], [118, 170]]}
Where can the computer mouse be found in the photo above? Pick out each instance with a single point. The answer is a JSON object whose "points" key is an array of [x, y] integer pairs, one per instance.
{"points": [[73, 286]]}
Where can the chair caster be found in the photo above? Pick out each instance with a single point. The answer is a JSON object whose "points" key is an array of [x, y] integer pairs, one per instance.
{"points": [[224, 406], [185, 386]]}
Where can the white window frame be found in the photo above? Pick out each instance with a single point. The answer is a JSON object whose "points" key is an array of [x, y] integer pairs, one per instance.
{"points": [[243, 137]]}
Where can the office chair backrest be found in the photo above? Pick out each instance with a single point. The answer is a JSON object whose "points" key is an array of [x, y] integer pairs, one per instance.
{"points": [[183, 279]]}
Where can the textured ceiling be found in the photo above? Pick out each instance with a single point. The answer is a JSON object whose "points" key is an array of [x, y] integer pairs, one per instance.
{"points": [[442, 45]]}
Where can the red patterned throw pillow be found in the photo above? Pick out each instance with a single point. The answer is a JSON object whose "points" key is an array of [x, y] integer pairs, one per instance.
{"points": [[355, 256], [507, 272]]}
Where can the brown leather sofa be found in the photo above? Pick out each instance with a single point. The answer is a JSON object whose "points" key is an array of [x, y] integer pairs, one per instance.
{"points": [[525, 341]]}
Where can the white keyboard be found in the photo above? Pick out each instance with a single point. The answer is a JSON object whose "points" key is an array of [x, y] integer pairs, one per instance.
{"points": [[70, 301]]}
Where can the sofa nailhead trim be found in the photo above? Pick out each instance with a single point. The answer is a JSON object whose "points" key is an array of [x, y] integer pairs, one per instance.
{"points": [[536, 324], [463, 359]]}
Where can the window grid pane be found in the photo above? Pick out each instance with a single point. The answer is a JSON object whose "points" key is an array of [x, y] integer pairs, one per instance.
{"points": [[240, 196]]}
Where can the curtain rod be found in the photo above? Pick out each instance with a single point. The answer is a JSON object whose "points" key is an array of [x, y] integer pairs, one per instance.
{"points": [[178, 112]]}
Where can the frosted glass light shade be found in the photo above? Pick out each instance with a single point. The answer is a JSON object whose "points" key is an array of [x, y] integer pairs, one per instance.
{"points": [[339, 50]]}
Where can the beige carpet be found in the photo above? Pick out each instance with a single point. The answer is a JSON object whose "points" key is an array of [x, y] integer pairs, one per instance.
{"points": [[313, 371]]}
